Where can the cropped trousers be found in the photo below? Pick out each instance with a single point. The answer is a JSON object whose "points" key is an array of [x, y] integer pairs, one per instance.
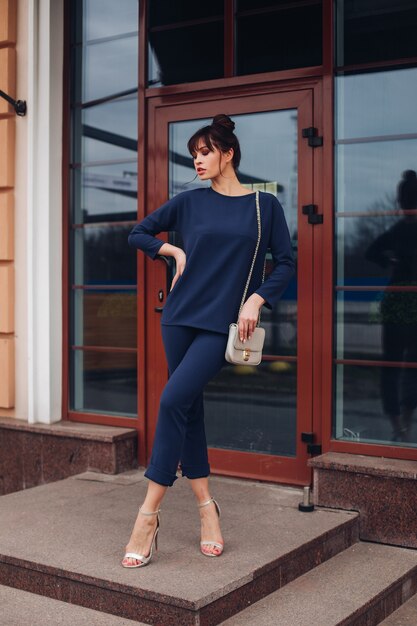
{"points": [[194, 356]]}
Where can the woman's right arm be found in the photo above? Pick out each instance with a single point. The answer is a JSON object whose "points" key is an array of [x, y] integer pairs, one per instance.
{"points": [[163, 219]]}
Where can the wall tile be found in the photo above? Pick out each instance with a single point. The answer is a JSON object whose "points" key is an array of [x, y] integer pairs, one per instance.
{"points": [[6, 226], [7, 389]]}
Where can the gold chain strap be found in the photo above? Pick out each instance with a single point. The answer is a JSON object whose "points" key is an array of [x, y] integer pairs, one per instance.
{"points": [[258, 215]]}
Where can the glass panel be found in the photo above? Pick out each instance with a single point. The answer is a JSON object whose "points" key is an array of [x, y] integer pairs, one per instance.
{"points": [[105, 193], [104, 382], [186, 54], [106, 18], [375, 30], [106, 132], [367, 174], [263, 403], [376, 404], [376, 103], [104, 318], [101, 256], [104, 64], [377, 250], [262, 407], [105, 69], [375, 153], [279, 40], [376, 325], [163, 12]]}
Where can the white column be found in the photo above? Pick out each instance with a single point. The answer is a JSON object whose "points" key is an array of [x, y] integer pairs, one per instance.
{"points": [[44, 217]]}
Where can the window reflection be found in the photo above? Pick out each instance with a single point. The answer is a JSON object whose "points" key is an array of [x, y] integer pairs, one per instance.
{"points": [[288, 36], [390, 97], [105, 193], [177, 55], [105, 18], [106, 132], [105, 258], [106, 68], [372, 30], [106, 382], [103, 205], [105, 318]]}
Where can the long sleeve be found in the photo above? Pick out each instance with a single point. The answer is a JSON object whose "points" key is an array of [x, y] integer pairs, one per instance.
{"points": [[284, 263], [163, 219]]}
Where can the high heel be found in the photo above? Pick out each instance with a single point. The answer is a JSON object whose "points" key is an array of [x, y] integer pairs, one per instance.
{"points": [[216, 544], [140, 557]]}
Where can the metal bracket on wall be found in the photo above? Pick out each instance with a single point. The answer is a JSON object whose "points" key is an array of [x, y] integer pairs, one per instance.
{"points": [[18, 105], [310, 133]]}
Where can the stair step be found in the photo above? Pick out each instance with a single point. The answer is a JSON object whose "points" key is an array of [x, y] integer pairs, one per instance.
{"points": [[35, 454], [359, 586], [406, 615], [65, 540], [17, 605]]}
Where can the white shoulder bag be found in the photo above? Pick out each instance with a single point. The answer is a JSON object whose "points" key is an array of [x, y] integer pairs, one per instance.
{"points": [[250, 352]]}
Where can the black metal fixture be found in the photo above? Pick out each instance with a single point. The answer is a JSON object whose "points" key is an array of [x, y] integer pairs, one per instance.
{"points": [[313, 217], [18, 105], [312, 447], [310, 133]]}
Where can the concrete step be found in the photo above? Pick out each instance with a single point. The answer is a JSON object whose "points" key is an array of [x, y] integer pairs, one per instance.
{"points": [[35, 454], [383, 491], [22, 607], [406, 615], [358, 587], [65, 540]]}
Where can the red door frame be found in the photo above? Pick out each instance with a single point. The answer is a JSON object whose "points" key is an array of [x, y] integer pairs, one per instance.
{"points": [[162, 111]]}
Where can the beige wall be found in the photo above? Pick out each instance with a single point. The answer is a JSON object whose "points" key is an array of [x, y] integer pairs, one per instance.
{"points": [[13, 211], [8, 30]]}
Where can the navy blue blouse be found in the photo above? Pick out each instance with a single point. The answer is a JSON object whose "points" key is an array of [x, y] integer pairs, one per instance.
{"points": [[219, 234]]}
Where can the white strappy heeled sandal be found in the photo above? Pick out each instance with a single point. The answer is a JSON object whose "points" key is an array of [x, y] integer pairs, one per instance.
{"points": [[216, 544], [140, 557]]}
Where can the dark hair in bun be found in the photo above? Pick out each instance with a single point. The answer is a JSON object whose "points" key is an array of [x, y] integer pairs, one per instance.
{"points": [[219, 134], [407, 190]]}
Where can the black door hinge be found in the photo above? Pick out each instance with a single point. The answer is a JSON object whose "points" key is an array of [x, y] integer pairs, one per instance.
{"points": [[312, 448], [313, 217], [314, 140]]}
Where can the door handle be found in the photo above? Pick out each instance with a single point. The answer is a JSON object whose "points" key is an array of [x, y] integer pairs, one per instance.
{"points": [[168, 261]]}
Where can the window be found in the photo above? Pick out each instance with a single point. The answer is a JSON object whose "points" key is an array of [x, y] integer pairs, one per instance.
{"points": [[375, 325], [103, 174], [186, 40]]}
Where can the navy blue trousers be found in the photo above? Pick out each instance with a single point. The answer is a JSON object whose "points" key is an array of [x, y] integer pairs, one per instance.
{"points": [[194, 357]]}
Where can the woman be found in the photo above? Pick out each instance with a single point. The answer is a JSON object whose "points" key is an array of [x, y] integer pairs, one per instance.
{"points": [[218, 225]]}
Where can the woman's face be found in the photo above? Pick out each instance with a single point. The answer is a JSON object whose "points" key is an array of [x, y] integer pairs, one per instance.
{"points": [[207, 163]]}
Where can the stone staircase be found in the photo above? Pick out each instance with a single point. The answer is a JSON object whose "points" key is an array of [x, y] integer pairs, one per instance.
{"points": [[61, 544]]}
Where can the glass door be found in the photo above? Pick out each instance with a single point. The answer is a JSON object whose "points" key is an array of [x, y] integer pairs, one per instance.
{"points": [[254, 417]]}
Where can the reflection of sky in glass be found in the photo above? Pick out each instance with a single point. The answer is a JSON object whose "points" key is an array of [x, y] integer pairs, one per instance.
{"points": [[109, 67], [268, 143], [106, 18], [101, 187], [374, 105], [367, 174], [377, 103], [118, 117]]}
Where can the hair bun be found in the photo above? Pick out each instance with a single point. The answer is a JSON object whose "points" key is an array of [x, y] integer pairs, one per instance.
{"points": [[409, 175], [223, 120]]}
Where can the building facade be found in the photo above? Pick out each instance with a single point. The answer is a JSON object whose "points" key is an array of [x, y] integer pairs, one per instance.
{"points": [[323, 95]]}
